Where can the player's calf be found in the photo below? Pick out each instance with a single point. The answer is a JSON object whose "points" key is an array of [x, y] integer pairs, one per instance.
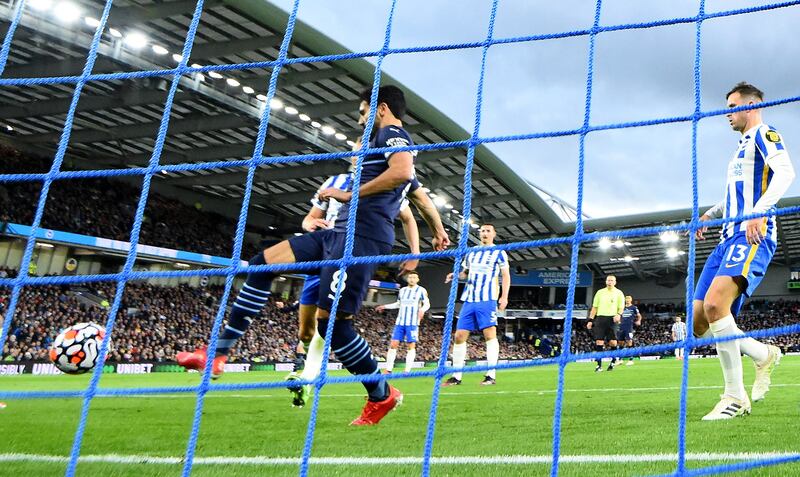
{"points": [[356, 355]]}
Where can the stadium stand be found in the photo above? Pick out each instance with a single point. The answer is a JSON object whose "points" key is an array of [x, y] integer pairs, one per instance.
{"points": [[161, 320], [106, 207]]}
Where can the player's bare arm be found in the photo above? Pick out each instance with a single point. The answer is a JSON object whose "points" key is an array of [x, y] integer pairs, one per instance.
{"points": [[400, 171]]}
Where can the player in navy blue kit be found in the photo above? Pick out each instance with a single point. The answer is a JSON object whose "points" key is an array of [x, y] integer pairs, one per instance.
{"points": [[385, 179], [323, 215], [629, 318]]}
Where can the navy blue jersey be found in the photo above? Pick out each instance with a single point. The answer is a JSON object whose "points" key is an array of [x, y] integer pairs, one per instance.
{"points": [[629, 314], [376, 213]]}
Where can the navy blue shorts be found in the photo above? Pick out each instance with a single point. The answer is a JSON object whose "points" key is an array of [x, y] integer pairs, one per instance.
{"points": [[329, 245], [310, 293], [625, 332]]}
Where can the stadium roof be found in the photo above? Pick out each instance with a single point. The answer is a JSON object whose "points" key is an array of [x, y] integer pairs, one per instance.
{"points": [[215, 118]]}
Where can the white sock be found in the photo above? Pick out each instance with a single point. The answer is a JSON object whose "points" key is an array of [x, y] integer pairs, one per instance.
{"points": [[492, 354], [410, 355], [459, 357], [390, 356], [730, 357], [753, 348], [313, 358]]}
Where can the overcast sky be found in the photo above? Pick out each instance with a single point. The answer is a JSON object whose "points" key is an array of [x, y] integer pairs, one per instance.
{"points": [[540, 86]]}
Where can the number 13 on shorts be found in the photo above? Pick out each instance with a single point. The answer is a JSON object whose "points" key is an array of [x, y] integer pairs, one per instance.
{"points": [[736, 253]]}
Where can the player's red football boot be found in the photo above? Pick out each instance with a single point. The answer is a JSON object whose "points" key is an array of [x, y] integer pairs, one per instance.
{"points": [[197, 360], [373, 412]]}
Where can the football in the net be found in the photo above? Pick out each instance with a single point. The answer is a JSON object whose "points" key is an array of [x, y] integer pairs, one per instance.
{"points": [[76, 349]]}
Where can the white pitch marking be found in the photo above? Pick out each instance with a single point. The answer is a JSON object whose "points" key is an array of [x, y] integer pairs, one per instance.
{"points": [[368, 461], [455, 394]]}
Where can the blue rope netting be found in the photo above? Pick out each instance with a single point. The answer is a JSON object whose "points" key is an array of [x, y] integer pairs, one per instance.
{"points": [[575, 240]]}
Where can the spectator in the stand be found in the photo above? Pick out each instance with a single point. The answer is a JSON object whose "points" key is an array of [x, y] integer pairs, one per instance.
{"points": [[106, 208], [156, 321]]}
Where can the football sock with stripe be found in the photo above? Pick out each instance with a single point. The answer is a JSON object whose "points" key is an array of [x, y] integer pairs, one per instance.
{"points": [[355, 355], [248, 304]]}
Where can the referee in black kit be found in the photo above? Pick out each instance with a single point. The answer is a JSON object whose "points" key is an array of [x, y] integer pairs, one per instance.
{"points": [[607, 307]]}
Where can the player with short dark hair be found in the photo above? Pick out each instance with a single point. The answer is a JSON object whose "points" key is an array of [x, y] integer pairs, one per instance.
{"points": [[759, 174], [678, 334], [385, 180], [412, 303], [630, 317], [481, 269]]}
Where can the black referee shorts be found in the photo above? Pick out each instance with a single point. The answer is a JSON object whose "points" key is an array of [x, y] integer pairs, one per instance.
{"points": [[604, 328]]}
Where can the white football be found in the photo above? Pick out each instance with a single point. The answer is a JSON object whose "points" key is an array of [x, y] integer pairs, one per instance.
{"points": [[76, 349]]}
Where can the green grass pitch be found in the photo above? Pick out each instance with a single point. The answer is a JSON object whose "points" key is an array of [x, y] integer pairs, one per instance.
{"points": [[628, 417]]}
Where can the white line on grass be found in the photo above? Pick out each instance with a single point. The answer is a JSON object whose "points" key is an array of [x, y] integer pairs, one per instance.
{"points": [[368, 461], [224, 394]]}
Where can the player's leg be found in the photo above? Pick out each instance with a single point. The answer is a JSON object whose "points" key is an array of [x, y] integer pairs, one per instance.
{"points": [[716, 306], [765, 357], [392, 353], [599, 332], [412, 334], [459, 353], [629, 344], [700, 326], [314, 356], [492, 354], [759, 352], [306, 312], [313, 343], [599, 347], [466, 323], [614, 345], [307, 328], [248, 304], [350, 348], [411, 354]]}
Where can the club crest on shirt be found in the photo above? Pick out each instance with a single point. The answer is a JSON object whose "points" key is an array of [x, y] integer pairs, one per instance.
{"points": [[773, 136]]}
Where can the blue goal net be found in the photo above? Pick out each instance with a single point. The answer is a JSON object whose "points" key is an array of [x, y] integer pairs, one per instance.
{"points": [[574, 241]]}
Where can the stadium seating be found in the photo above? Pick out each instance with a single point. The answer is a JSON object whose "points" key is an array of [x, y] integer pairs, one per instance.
{"points": [[157, 321], [105, 208]]}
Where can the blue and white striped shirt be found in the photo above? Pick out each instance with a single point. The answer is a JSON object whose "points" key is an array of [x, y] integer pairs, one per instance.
{"points": [[484, 270], [332, 207], [679, 329], [749, 175], [409, 300]]}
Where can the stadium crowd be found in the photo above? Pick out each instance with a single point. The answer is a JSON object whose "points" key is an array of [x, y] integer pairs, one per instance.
{"points": [[155, 322], [106, 208]]}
